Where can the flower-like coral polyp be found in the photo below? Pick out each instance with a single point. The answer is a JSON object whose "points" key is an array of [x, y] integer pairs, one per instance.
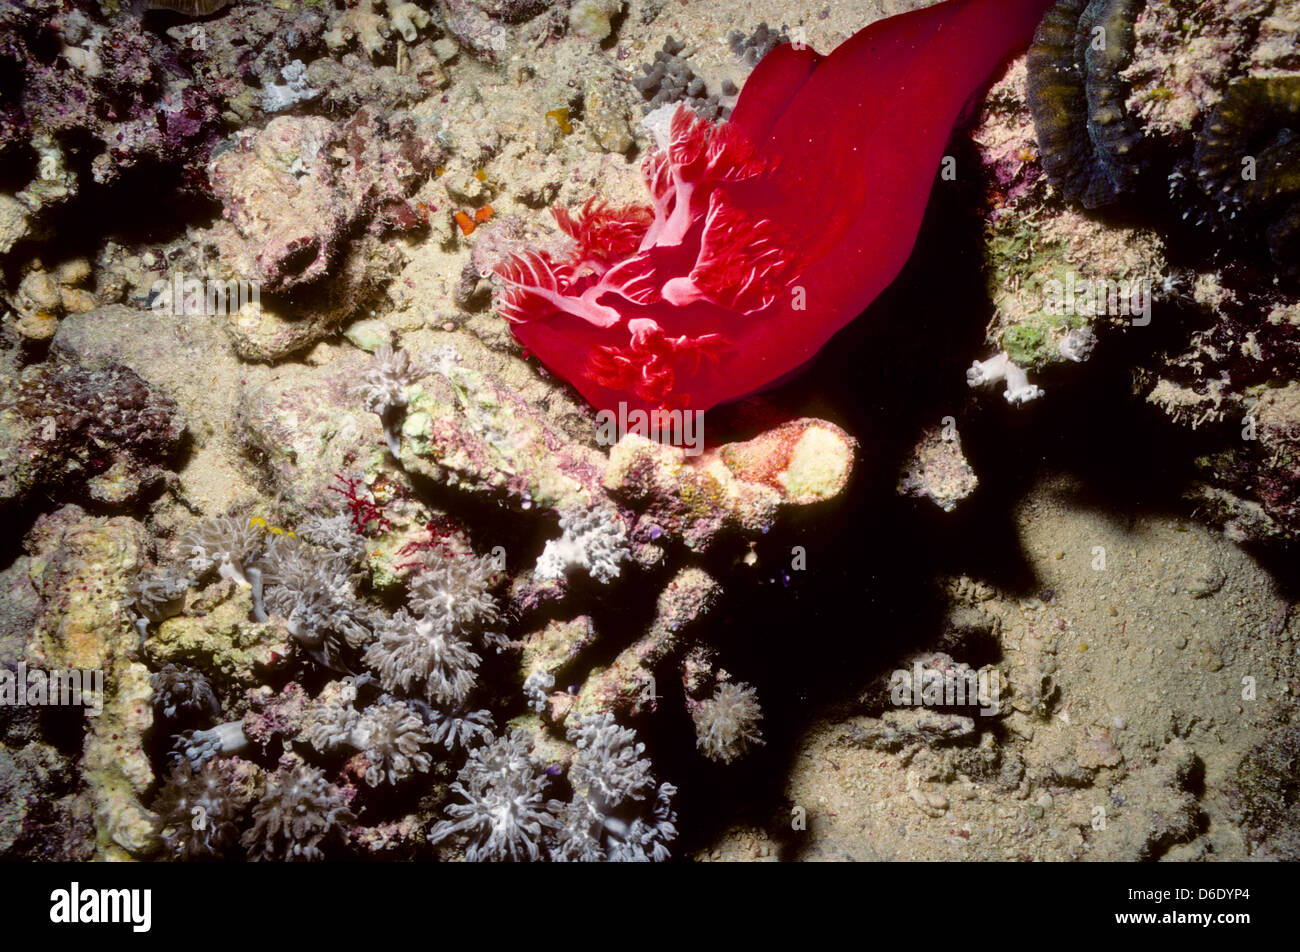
{"points": [[768, 233]]}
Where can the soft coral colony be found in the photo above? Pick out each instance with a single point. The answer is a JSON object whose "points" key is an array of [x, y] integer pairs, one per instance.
{"points": [[406, 687], [766, 233]]}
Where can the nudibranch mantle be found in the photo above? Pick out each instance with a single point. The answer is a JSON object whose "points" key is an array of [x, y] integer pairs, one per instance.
{"points": [[766, 233]]}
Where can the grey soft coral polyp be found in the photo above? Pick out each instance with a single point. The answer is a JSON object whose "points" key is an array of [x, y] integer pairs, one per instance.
{"points": [[229, 543], [311, 587], [296, 815], [383, 389], [506, 815], [161, 595], [425, 653], [389, 734], [607, 819], [726, 725], [199, 747], [428, 648], [594, 540], [458, 590], [181, 692], [505, 810], [197, 813]]}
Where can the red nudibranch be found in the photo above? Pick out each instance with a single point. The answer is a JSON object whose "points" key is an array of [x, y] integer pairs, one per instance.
{"points": [[768, 232]]}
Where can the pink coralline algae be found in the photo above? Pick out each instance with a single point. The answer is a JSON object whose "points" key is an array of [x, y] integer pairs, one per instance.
{"points": [[767, 233]]}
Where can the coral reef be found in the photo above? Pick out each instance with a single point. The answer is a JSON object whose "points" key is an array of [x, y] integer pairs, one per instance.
{"points": [[379, 561], [278, 97], [293, 195], [1106, 100], [45, 817], [628, 683], [219, 637], [371, 29], [1266, 796], [44, 297], [1253, 124], [1200, 96], [1182, 59], [590, 19], [241, 56], [938, 470], [75, 553], [129, 99], [468, 429], [737, 487]]}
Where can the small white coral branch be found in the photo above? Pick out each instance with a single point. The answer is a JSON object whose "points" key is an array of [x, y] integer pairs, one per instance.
{"points": [[594, 540], [1001, 367]]}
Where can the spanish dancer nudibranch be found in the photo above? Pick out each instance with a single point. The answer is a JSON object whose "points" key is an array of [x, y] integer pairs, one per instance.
{"points": [[766, 233]]}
